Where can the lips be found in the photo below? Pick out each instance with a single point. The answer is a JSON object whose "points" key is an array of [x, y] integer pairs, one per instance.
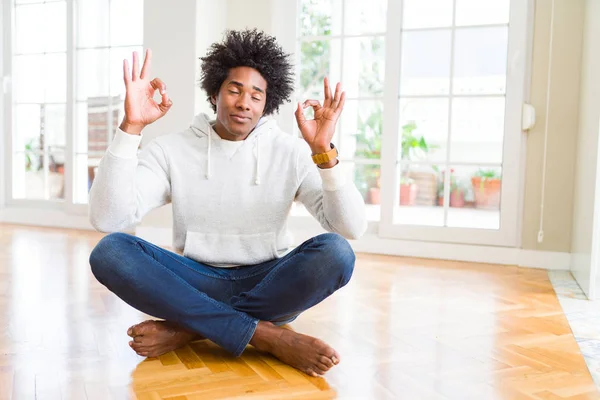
{"points": [[239, 118]]}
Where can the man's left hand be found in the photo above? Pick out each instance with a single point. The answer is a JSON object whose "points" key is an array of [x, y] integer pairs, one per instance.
{"points": [[319, 131]]}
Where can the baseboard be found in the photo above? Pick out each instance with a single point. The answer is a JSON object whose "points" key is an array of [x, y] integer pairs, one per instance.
{"points": [[371, 243], [44, 217]]}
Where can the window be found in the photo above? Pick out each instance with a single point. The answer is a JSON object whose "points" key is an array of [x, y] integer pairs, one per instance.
{"points": [[431, 127], [67, 93], [346, 41]]}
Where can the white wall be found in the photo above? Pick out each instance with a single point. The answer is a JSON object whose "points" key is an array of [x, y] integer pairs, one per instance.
{"points": [[211, 17], [586, 205]]}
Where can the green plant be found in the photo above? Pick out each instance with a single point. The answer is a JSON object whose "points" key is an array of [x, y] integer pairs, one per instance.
{"points": [[30, 149], [487, 174]]}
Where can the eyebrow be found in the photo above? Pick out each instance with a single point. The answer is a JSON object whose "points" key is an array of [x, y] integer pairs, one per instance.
{"points": [[239, 84]]}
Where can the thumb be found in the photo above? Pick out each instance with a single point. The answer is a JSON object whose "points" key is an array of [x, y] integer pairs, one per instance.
{"points": [[300, 118]]}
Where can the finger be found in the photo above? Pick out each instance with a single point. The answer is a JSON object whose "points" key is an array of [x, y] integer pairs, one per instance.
{"points": [[126, 74], [159, 85], [300, 118], [315, 104], [327, 92], [136, 67], [147, 63], [340, 106], [336, 98]]}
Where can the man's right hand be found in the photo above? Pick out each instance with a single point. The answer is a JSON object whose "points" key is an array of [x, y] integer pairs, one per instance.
{"points": [[140, 107]]}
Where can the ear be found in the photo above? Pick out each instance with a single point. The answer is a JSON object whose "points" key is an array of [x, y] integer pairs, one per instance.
{"points": [[213, 99]]}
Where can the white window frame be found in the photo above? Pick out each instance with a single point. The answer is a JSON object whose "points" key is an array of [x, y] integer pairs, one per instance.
{"points": [[67, 205], [517, 89]]}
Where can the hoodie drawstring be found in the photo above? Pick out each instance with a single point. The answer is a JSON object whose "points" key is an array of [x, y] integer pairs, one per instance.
{"points": [[208, 158], [257, 177]]}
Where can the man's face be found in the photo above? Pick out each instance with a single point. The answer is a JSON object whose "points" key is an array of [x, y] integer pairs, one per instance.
{"points": [[240, 103]]}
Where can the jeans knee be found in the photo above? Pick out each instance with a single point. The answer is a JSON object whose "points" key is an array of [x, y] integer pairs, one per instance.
{"points": [[340, 256], [104, 257]]}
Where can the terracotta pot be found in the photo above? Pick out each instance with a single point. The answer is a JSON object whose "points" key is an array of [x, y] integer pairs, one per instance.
{"points": [[374, 196], [487, 192], [408, 194], [457, 199]]}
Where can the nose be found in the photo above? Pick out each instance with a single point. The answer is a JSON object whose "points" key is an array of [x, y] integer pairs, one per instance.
{"points": [[243, 102]]}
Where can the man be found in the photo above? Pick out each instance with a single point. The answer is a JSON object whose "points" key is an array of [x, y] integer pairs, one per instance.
{"points": [[232, 183]]}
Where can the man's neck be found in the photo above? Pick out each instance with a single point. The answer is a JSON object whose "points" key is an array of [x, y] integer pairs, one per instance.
{"points": [[226, 135]]}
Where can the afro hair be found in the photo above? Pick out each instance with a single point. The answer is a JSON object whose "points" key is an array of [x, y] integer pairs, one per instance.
{"points": [[254, 49]]}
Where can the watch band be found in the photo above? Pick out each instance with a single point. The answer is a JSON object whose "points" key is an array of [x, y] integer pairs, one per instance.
{"points": [[322, 158]]}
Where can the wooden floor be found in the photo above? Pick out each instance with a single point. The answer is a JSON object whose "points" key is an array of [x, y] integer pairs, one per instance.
{"points": [[405, 329]]}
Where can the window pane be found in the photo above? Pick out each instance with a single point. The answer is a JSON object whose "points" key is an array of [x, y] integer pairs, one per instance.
{"points": [[117, 55], [424, 129], [28, 176], [361, 127], [427, 14], [93, 120], [84, 172], [482, 12], [418, 194], [92, 23], [365, 16], [55, 127], [480, 61], [425, 63], [320, 17], [41, 27], [367, 180], [477, 130], [364, 62], [26, 127], [56, 175], [126, 22], [318, 59], [55, 79], [475, 197], [55, 17], [92, 73], [29, 79], [29, 23]]}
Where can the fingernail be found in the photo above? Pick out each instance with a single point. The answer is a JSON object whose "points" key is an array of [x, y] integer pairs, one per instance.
{"points": [[335, 360], [131, 343]]}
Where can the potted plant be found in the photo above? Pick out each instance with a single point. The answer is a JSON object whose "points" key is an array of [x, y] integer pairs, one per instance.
{"points": [[486, 188], [457, 190], [368, 142], [412, 147]]}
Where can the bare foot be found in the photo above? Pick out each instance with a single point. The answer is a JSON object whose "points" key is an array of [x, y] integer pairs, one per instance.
{"points": [[308, 354], [154, 338]]}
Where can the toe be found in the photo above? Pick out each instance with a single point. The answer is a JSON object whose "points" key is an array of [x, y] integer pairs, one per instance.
{"points": [[311, 372], [331, 354], [328, 362], [142, 328]]}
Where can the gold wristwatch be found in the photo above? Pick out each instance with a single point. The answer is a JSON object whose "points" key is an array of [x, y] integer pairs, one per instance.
{"points": [[322, 158]]}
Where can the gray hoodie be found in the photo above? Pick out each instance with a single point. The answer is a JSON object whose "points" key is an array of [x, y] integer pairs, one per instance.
{"points": [[228, 208]]}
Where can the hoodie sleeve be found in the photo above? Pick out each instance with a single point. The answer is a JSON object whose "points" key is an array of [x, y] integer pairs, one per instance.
{"points": [[329, 197], [127, 186]]}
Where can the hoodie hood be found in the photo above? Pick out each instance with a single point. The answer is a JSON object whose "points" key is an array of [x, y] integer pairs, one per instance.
{"points": [[203, 127]]}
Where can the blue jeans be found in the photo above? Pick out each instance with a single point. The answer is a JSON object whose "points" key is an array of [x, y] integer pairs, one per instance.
{"points": [[222, 304]]}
